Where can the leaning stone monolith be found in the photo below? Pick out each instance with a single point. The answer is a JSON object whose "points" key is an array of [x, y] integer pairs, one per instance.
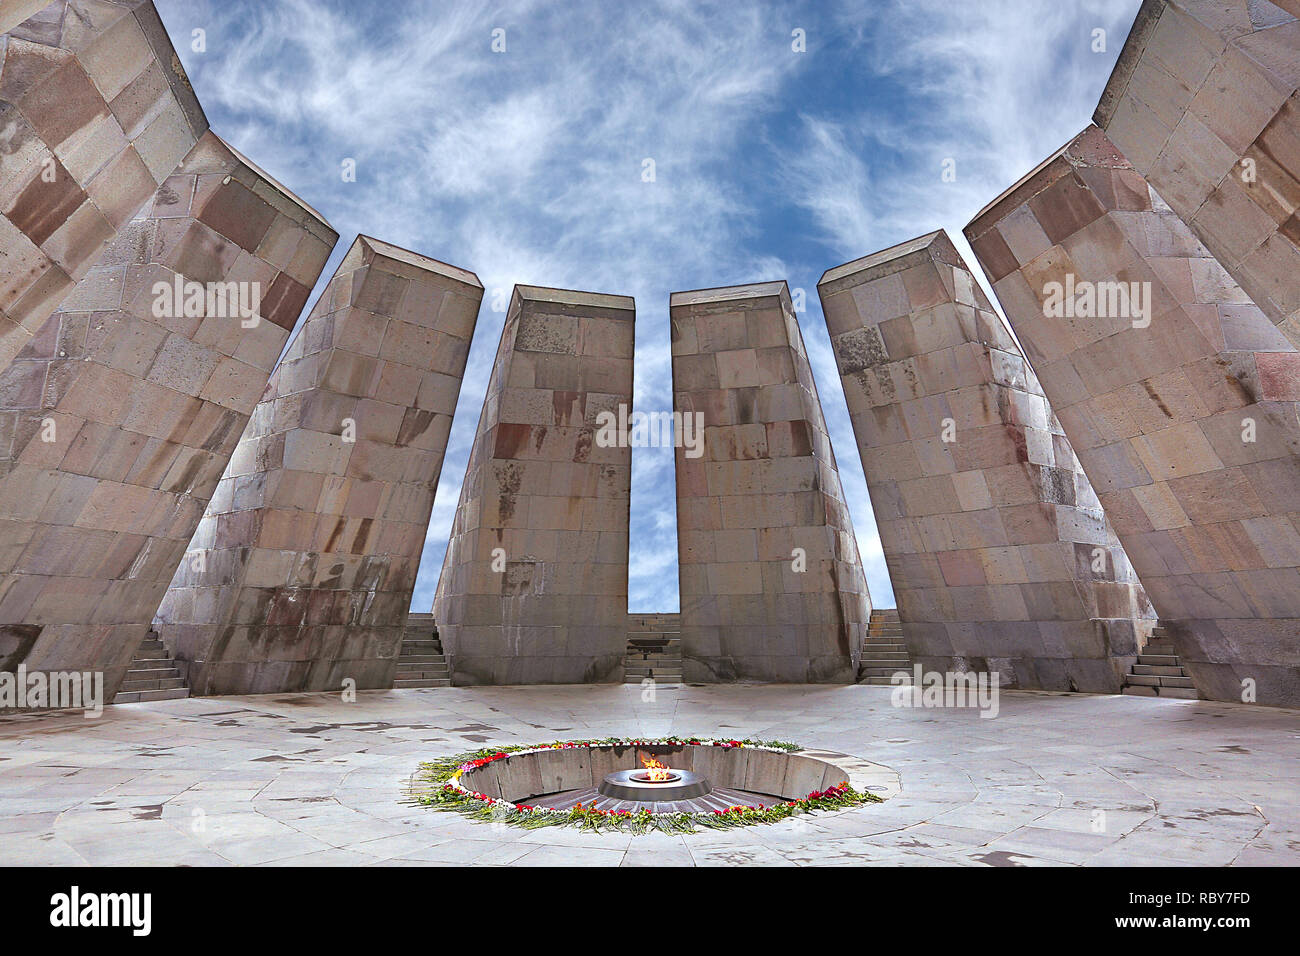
{"points": [[118, 416], [770, 580], [301, 573], [534, 585], [95, 112], [997, 548], [1204, 101], [1180, 398]]}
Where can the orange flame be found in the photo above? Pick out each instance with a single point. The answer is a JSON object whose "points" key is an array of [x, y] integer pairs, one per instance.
{"points": [[655, 769]]}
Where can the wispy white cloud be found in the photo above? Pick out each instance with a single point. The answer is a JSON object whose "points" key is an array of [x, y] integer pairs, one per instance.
{"points": [[526, 166]]}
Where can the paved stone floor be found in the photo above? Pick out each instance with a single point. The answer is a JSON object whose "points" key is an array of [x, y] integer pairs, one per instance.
{"points": [[308, 779]]}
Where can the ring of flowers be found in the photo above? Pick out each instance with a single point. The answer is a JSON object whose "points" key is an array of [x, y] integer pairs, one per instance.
{"points": [[438, 785]]}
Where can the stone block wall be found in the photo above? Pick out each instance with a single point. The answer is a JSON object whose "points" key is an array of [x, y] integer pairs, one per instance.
{"points": [[1205, 103], [310, 546], [119, 415], [770, 580], [534, 585], [998, 551], [1183, 409], [95, 112]]}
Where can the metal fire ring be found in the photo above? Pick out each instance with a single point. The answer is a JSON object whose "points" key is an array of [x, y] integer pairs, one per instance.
{"points": [[626, 785]]}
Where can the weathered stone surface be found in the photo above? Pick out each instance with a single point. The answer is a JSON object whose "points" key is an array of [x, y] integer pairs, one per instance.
{"points": [[311, 544], [1187, 426], [533, 589], [998, 551], [118, 416], [1204, 103], [95, 112], [762, 500]]}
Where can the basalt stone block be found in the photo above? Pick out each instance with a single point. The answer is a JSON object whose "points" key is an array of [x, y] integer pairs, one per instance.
{"points": [[994, 538], [119, 414], [1177, 394], [533, 588], [770, 580], [95, 113], [300, 574], [1204, 103]]}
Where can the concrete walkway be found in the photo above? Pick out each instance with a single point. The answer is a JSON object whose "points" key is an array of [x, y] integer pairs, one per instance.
{"points": [[308, 779]]}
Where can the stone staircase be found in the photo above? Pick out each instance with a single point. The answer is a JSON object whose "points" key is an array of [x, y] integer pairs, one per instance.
{"points": [[1158, 672], [153, 675], [421, 662], [883, 649], [654, 648]]}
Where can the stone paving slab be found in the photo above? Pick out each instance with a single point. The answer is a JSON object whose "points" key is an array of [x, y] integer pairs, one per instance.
{"points": [[305, 779]]}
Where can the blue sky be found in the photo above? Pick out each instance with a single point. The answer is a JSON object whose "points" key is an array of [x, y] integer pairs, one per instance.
{"points": [[526, 166]]}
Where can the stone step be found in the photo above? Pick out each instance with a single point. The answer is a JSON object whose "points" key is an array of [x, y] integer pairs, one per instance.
{"points": [[1159, 660], [882, 682], [664, 665], [148, 663], [422, 682], [1162, 649], [152, 673], [162, 683], [884, 660], [139, 696], [885, 646], [882, 671], [1155, 680], [664, 680], [422, 659], [1176, 693], [1159, 670]]}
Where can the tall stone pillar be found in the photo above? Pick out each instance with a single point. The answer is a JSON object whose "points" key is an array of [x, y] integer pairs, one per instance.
{"points": [[998, 551], [1179, 397], [301, 573], [95, 112], [534, 585], [771, 585], [1203, 102], [118, 416]]}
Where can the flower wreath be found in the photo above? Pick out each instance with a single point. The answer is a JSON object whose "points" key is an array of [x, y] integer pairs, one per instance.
{"points": [[440, 787]]}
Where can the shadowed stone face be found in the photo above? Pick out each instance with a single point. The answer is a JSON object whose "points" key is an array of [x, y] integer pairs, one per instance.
{"points": [[534, 585], [998, 551], [300, 574], [1183, 411], [771, 584], [1204, 103], [118, 416], [95, 112]]}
